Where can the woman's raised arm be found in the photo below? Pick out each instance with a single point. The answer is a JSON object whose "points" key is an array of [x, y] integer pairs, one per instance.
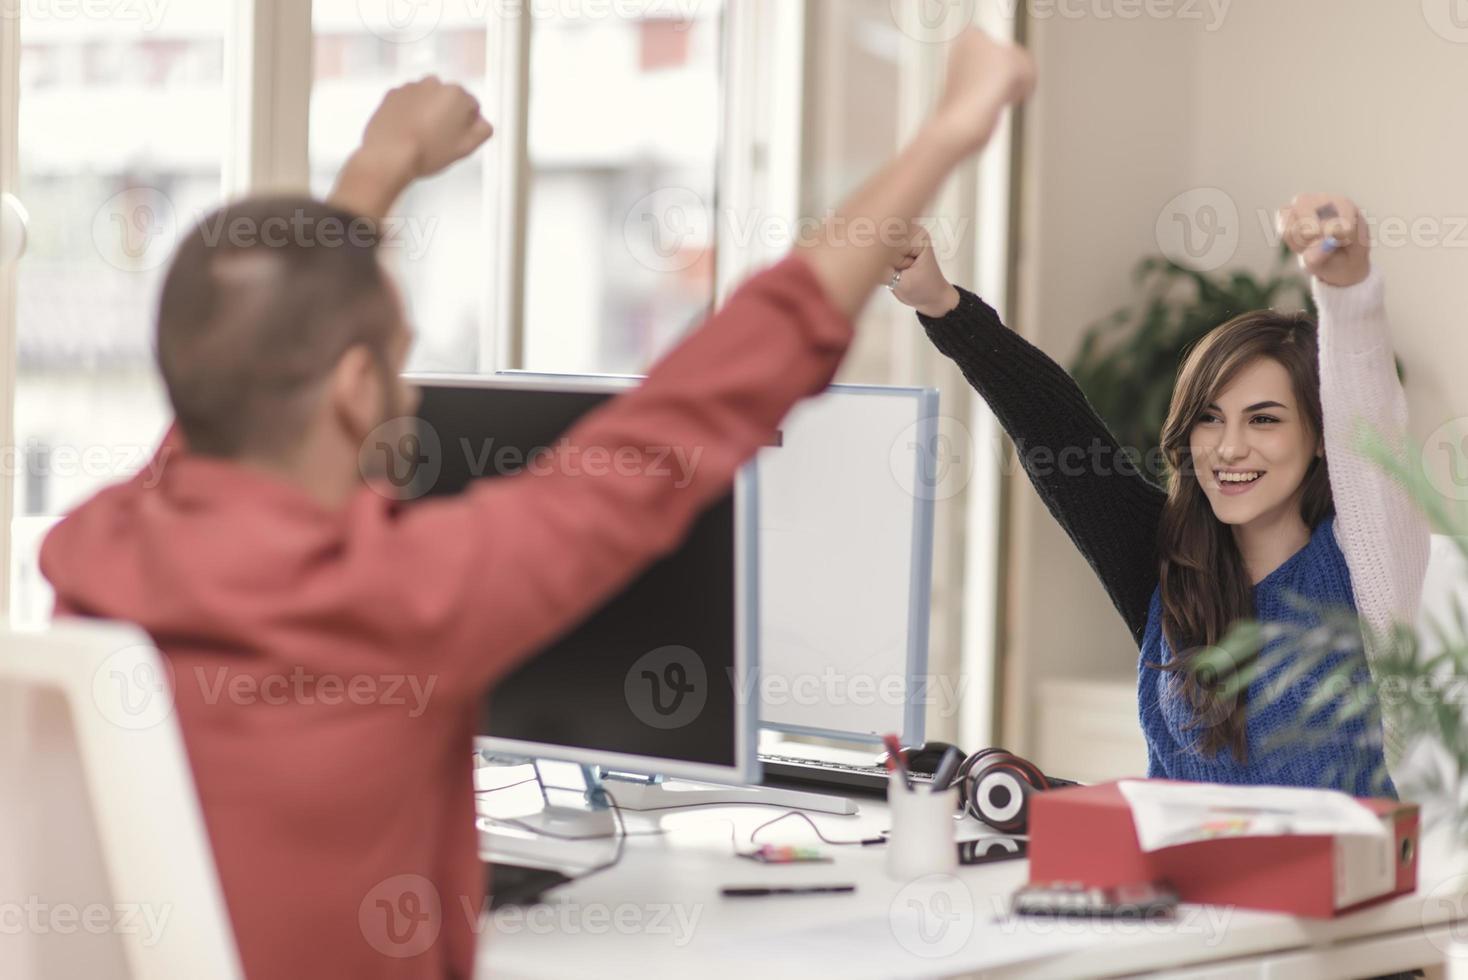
{"points": [[1096, 492], [1382, 533]]}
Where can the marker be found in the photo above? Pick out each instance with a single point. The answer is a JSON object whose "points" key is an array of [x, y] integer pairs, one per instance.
{"points": [[1324, 214], [733, 892], [947, 766], [895, 759]]}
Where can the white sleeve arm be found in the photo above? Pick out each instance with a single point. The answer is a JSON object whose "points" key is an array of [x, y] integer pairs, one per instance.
{"points": [[1381, 532]]}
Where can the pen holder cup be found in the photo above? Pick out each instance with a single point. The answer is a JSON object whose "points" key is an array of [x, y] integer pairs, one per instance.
{"points": [[923, 839]]}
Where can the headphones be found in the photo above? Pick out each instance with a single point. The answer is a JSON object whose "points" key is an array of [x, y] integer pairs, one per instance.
{"points": [[996, 787]]}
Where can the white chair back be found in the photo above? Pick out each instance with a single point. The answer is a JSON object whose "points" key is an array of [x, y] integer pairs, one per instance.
{"points": [[105, 867]]}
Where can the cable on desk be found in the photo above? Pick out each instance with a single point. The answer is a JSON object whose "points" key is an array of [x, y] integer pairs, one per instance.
{"points": [[824, 839], [496, 789], [542, 832], [621, 841], [689, 806]]}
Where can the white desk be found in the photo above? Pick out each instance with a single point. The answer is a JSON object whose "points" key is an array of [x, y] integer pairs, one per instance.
{"points": [[659, 914]]}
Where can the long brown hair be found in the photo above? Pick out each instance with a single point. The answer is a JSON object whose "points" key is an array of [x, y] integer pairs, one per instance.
{"points": [[1204, 585]]}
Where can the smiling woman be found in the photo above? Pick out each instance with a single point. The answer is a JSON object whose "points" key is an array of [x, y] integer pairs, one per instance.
{"points": [[1245, 436], [1252, 520]]}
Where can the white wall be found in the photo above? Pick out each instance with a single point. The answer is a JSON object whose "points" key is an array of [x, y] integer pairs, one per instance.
{"points": [[1102, 135], [1369, 102], [1357, 96]]}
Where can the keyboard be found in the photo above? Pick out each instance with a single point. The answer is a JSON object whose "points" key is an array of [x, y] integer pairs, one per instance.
{"points": [[784, 770]]}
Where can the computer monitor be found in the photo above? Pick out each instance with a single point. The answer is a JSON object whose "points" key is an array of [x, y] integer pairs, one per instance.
{"points": [[846, 508], [654, 681]]}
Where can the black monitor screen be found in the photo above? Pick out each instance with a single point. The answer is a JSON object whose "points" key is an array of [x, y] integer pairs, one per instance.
{"points": [[650, 673]]}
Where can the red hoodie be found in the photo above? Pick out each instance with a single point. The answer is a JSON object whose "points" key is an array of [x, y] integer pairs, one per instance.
{"points": [[328, 664]]}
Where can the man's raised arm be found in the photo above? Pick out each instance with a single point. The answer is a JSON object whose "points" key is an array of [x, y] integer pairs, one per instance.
{"points": [[418, 130], [511, 563]]}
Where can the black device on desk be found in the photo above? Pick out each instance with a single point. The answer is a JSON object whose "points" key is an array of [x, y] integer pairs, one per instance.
{"points": [[846, 777], [988, 850], [842, 777], [786, 770], [1142, 900], [995, 785], [516, 884]]}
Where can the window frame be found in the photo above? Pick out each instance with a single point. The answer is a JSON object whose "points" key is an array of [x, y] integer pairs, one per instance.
{"points": [[9, 181], [267, 78], [269, 75]]}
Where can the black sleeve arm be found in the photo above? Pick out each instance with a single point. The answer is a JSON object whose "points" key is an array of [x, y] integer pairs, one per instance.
{"points": [[1110, 510]]}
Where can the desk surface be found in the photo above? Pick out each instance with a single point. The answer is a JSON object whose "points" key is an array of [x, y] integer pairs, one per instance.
{"points": [[659, 913]]}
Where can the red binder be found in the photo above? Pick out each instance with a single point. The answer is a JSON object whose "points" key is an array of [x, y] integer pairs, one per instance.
{"points": [[1085, 834]]}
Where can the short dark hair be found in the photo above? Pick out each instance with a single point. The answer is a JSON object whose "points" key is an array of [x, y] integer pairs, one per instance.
{"points": [[262, 300]]}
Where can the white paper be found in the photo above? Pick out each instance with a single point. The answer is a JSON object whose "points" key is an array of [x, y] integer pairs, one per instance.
{"points": [[1365, 867], [1169, 814]]}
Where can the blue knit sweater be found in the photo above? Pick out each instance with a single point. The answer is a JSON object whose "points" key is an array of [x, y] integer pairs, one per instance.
{"points": [[1347, 757]]}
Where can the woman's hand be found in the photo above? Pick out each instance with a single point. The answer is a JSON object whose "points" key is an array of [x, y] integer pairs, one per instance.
{"points": [[1329, 235], [918, 282]]}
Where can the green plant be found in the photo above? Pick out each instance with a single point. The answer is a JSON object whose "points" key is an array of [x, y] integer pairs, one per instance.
{"points": [[1128, 362]]}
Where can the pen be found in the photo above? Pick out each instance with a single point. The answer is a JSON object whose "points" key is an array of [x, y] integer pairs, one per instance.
{"points": [[1330, 243], [947, 766], [732, 892]]}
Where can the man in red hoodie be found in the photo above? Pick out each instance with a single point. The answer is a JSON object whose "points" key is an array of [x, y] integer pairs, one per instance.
{"points": [[328, 647]]}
